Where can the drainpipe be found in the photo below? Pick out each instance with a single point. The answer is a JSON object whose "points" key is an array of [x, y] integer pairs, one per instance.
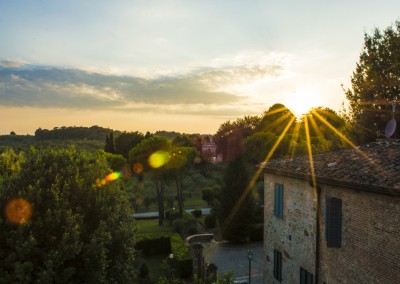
{"points": [[317, 235]]}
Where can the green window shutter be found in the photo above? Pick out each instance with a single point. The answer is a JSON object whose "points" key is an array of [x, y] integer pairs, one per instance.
{"points": [[281, 201], [278, 201]]}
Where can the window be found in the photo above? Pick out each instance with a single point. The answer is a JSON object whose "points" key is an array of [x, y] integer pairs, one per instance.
{"points": [[305, 276], [278, 265], [333, 222], [278, 201]]}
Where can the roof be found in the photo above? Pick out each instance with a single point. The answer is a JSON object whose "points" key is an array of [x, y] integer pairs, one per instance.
{"points": [[372, 167]]}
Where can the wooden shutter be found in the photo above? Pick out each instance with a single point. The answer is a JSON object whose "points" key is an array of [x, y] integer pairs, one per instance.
{"points": [[333, 222]]}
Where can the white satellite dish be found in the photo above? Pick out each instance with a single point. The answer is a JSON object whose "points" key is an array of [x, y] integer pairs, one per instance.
{"points": [[391, 125]]}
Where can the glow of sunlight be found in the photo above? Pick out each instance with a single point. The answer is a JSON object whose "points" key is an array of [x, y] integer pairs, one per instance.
{"points": [[238, 204], [310, 156], [158, 159], [301, 101], [18, 211], [337, 132]]}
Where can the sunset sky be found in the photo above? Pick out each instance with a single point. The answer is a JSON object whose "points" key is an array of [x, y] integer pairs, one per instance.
{"points": [[186, 66]]}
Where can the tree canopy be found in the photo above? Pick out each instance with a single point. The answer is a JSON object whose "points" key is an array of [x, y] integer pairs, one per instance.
{"points": [[375, 83], [58, 225]]}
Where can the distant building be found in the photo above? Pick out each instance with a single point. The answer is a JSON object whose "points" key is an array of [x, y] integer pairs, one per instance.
{"points": [[209, 151], [347, 229]]}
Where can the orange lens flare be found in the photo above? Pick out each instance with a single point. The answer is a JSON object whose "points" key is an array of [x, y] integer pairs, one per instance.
{"points": [[110, 177], [137, 168], [18, 211], [113, 176]]}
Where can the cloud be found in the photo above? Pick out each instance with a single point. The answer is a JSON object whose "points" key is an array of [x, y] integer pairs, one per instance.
{"points": [[200, 91], [11, 63]]}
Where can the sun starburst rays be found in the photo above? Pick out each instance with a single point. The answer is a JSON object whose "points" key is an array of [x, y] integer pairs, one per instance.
{"points": [[295, 131]]}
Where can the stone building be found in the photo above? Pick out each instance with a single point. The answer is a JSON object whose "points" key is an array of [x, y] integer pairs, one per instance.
{"points": [[343, 225]]}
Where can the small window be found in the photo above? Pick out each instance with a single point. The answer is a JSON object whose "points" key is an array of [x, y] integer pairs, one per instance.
{"points": [[305, 276], [278, 201], [278, 265], [333, 222]]}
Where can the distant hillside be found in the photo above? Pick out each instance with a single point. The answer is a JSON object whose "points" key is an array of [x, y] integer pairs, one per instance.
{"points": [[74, 133]]}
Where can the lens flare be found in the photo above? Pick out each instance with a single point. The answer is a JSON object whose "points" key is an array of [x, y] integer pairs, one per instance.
{"points": [[113, 176], [158, 159], [110, 177], [18, 211], [137, 168]]}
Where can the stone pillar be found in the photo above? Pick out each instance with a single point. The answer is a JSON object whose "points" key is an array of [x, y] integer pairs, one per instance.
{"points": [[198, 260]]}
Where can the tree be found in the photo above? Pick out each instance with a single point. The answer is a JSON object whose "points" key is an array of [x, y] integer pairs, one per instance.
{"points": [[375, 84], [126, 141], [65, 229], [110, 145], [151, 155], [275, 119], [182, 140], [180, 163], [236, 205], [230, 136]]}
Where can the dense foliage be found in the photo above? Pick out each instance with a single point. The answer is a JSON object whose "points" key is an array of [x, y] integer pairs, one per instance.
{"points": [[375, 84], [236, 205], [73, 132], [62, 227]]}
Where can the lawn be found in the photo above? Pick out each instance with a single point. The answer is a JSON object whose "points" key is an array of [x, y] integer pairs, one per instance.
{"points": [[150, 228]]}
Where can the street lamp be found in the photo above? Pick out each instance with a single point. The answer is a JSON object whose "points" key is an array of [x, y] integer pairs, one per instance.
{"points": [[250, 257], [170, 260]]}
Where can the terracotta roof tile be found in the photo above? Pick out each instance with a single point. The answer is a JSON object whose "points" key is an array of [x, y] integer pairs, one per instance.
{"points": [[375, 166]]}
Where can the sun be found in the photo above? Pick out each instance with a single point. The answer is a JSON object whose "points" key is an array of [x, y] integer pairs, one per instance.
{"points": [[301, 101]]}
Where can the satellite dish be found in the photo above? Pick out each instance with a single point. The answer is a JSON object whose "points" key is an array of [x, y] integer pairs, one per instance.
{"points": [[391, 125], [390, 128]]}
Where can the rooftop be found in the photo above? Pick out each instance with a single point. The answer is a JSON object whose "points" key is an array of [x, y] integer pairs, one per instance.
{"points": [[371, 167]]}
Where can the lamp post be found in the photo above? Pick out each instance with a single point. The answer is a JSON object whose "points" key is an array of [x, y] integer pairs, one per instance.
{"points": [[170, 262], [250, 257]]}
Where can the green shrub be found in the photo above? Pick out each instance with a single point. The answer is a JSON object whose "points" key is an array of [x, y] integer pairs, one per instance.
{"points": [[171, 214], [197, 213], [185, 226], [183, 263]]}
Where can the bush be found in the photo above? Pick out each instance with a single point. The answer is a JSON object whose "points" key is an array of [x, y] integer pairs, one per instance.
{"points": [[197, 213], [171, 214], [186, 225], [183, 261], [210, 221]]}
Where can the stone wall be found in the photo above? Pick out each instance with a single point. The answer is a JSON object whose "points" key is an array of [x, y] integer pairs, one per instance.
{"points": [[370, 247], [294, 236]]}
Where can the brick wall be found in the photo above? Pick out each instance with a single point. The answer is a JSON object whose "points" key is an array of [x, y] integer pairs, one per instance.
{"points": [[294, 236], [370, 248]]}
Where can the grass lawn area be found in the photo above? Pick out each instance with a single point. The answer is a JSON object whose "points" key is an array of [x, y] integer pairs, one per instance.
{"points": [[151, 227]]}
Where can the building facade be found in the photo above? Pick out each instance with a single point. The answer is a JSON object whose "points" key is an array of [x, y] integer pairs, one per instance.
{"points": [[342, 226]]}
